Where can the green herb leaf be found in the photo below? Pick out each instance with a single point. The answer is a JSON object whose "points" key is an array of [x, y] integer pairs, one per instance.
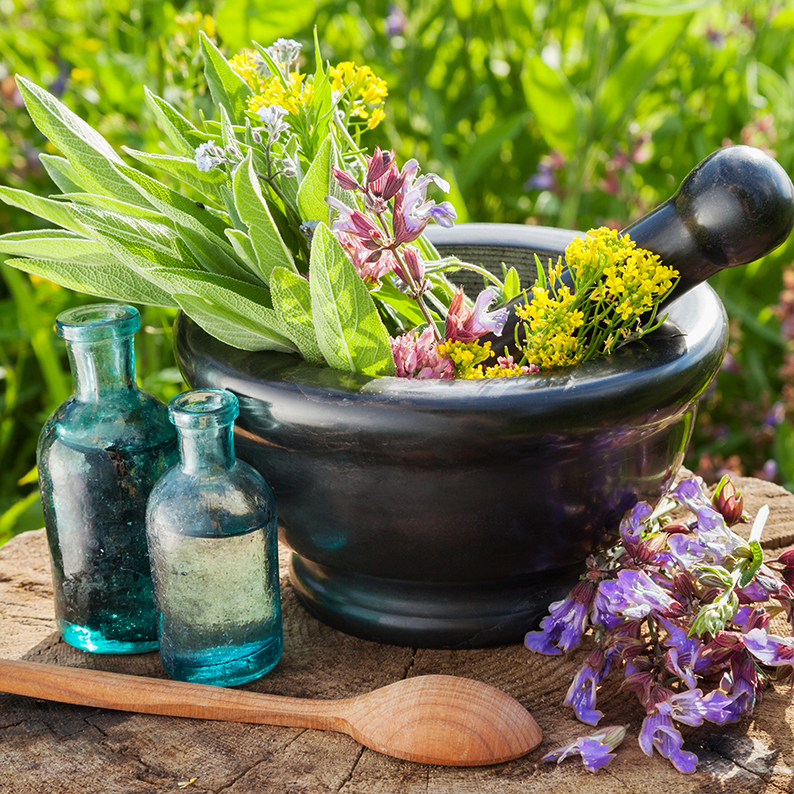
{"points": [[62, 173], [637, 68], [107, 280], [244, 248], [112, 205], [407, 312], [54, 211], [213, 258], [226, 86], [750, 567], [89, 153], [512, 286], [292, 301], [177, 207], [236, 313], [208, 183], [253, 211], [173, 123], [556, 105], [349, 330], [319, 182], [54, 244]]}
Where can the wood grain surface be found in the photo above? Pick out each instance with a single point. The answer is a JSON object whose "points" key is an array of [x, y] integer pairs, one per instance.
{"points": [[50, 748]]}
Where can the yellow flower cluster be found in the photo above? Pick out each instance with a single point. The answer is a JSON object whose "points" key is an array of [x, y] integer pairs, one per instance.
{"points": [[297, 95], [553, 322], [632, 279], [251, 69], [365, 91], [466, 357], [497, 371], [270, 90]]}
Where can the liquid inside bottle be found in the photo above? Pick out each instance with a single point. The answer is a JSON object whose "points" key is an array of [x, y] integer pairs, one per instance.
{"points": [[99, 456], [211, 527]]}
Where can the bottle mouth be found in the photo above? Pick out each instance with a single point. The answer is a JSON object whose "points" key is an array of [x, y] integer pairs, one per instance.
{"points": [[98, 321], [203, 408]]}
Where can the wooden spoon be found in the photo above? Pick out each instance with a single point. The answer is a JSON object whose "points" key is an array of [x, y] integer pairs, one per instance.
{"points": [[432, 719]]}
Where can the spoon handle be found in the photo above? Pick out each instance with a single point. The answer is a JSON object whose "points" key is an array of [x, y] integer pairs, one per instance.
{"points": [[145, 695]]}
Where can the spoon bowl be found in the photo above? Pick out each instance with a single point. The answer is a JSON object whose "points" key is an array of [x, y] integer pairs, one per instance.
{"points": [[433, 719]]}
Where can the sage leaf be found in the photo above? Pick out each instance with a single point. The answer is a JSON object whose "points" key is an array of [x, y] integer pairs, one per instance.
{"points": [[349, 330], [208, 183], [213, 257], [180, 209], [56, 212], [173, 123], [222, 290], [226, 86], [242, 313], [244, 248], [137, 231], [231, 328], [112, 205], [252, 208], [293, 303], [319, 182], [227, 132], [61, 172], [106, 280], [54, 244], [90, 155]]}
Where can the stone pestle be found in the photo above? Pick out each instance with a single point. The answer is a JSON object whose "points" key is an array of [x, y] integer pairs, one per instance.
{"points": [[734, 207]]}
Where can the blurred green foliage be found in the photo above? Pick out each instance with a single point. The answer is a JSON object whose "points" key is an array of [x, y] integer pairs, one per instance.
{"points": [[572, 113]]}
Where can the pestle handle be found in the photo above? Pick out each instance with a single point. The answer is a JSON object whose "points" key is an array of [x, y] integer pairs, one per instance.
{"points": [[734, 207]]}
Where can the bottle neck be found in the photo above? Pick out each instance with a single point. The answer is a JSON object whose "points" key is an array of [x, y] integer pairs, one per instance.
{"points": [[206, 450], [102, 367]]}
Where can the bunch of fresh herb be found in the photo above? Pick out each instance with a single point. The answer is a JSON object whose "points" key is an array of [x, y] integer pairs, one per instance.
{"points": [[286, 236], [680, 607], [616, 290]]}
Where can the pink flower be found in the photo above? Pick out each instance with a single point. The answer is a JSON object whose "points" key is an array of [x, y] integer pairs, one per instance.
{"points": [[466, 325], [416, 356], [371, 270]]}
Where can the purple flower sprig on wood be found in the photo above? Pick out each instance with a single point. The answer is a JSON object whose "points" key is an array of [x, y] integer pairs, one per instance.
{"points": [[680, 608]]}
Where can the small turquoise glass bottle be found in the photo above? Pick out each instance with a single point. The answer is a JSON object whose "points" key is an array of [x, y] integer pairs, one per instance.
{"points": [[99, 455], [211, 527]]}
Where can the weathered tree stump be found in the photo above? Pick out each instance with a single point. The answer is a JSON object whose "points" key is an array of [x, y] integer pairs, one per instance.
{"points": [[50, 748]]}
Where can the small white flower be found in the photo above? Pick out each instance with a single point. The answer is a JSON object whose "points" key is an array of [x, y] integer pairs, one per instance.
{"points": [[207, 156]]}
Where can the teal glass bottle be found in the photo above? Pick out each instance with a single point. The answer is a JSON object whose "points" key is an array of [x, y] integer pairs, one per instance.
{"points": [[99, 455], [211, 528]]}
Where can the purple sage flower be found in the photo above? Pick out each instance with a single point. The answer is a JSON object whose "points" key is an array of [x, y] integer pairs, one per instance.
{"points": [[770, 649], [693, 493], [581, 694], [682, 654], [466, 325], [633, 595], [632, 524], [596, 750], [659, 732], [561, 630]]}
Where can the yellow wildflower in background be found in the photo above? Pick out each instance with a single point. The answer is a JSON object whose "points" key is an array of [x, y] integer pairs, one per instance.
{"points": [[297, 95], [251, 68], [365, 91]]}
